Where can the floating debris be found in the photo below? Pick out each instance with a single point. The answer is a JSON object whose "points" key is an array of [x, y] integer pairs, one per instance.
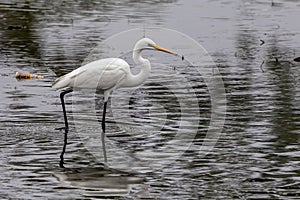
{"points": [[262, 42], [297, 59], [20, 75], [181, 56], [15, 27], [272, 3]]}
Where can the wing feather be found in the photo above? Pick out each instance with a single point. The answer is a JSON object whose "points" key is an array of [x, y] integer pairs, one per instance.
{"points": [[102, 74]]}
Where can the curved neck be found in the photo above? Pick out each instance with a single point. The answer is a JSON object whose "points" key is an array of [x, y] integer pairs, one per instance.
{"points": [[144, 64]]}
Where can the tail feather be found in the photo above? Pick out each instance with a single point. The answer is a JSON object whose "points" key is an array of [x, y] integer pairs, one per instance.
{"points": [[60, 83]]}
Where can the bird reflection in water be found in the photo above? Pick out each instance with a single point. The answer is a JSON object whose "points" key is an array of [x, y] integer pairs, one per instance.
{"points": [[97, 182]]}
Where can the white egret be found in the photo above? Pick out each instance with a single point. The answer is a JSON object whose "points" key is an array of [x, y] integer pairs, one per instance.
{"points": [[106, 75]]}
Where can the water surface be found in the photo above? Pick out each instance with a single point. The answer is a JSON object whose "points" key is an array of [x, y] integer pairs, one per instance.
{"points": [[253, 44]]}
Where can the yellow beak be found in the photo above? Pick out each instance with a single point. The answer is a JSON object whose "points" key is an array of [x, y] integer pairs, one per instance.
{"points": [[162, 49]]}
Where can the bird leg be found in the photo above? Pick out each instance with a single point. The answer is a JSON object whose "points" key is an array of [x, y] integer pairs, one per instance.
{"points": [[103, 132], [62, 94]]}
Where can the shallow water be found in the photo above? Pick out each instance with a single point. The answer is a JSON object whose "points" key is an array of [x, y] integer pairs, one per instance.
{"points": [[253, 44]]}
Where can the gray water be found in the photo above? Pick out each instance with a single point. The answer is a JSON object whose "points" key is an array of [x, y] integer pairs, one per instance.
{"points": [[253, 44]]}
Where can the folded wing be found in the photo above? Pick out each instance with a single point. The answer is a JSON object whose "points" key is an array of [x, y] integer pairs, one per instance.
{"points": [[101, 75]]}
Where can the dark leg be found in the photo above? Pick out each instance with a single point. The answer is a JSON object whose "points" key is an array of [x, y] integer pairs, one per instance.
{"points": [[62, 94], [61, 163], [103, 132], [103, 116]]}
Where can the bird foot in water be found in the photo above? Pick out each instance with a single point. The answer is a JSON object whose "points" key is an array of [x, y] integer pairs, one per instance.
{"points": [[61, 164]]}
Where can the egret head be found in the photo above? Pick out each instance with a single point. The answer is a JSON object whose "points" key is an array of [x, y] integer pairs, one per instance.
{"points": [[147, 43]]}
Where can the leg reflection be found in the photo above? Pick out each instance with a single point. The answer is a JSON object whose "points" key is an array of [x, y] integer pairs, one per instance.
{"points": [[61, 163]]}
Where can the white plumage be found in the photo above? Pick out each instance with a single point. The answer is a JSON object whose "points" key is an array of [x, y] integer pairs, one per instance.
{"points": [[101, 75], [109, 73]]}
